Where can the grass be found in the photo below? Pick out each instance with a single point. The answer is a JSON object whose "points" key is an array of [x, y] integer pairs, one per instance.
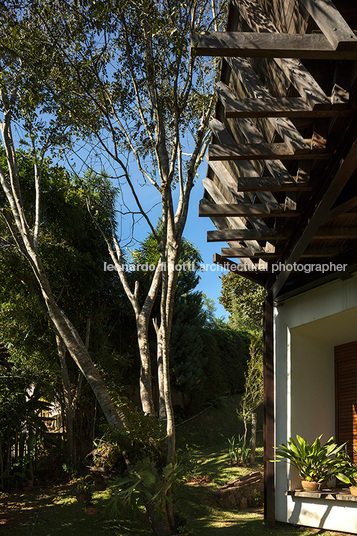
{"points": [[55, 511]]}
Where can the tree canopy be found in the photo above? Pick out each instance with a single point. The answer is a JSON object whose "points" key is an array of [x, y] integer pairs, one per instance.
{"points": [[244, 300]]}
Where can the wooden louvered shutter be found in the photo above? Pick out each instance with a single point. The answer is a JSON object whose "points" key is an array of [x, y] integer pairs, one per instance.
{"points": [[346, 396]]}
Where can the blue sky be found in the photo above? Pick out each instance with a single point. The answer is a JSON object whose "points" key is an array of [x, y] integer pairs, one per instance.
{"points": [[195, 231]]}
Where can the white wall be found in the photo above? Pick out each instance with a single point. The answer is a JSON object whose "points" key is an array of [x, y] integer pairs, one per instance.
{"points": [[307, 328]]}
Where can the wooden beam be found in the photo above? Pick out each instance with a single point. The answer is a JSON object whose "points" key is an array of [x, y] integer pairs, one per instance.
{"points": [[311, 252], [243, 210], [260, 151], [235, 223], [339, 233], [235, 235], [271, 106], [255, 184], [244, 253], [268, 45], [285, 128], [332, 24], [223, 136], [255, 273], [245, 168], [347, 167]]}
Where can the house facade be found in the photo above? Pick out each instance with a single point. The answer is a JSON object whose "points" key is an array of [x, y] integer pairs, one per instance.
{"points": [[281, 191]]}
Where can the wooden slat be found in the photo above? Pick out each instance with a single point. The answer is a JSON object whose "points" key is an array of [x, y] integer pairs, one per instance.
{"points": [[285, 128], [223, 136], [245, 168], [228, 182], [258, 276], [272, 106], [233, 235], [255, 184], [309, 253], [239, 210], [268, 45], [331, 23], [245, 253], [260, 151], [226, 179], [324, 233], [304, 83], [235, 223], [333, 233]]}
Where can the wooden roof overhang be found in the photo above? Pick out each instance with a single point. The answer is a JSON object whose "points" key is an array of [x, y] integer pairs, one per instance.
{"points": [[281, 185]]}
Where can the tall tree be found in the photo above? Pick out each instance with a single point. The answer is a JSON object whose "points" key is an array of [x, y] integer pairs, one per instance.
{"points": [[158, 112], [244, 301], [72, 253], [122, 76], [253, 393]]}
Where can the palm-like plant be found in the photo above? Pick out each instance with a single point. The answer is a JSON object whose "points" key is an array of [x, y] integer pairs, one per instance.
{"points": [[314, 462]]}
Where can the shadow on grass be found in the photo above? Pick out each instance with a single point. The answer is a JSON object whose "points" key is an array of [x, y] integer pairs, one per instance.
{"points": [[58, 513]]}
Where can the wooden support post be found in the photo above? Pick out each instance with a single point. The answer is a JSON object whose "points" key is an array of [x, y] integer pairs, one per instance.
{"points": [[269, 411]]}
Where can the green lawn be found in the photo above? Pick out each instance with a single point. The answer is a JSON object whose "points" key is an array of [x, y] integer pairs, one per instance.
{"points": [[55, 512]]}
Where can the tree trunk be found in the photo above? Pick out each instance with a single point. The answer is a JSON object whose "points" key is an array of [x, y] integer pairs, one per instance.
{"points": [[254, 438], [160, 373], [158, 520], [68, 407], [244, 439], [78, 351], [25, 242], [146, 397]]}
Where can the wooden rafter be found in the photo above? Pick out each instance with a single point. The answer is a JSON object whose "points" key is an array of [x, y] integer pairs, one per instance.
{"points": [[244, 210], [247, 178], [223, 136], [310, 252], [262, 151], [325, 233], [258, 275], [269, 45], [264, 105], [256, 184]]}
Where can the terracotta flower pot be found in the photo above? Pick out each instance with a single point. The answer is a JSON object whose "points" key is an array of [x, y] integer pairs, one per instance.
{"points": [[353, 491], [309, 486], [91, 509]]}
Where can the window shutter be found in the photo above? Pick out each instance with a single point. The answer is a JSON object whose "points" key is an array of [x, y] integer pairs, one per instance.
{"points": [[346, 396]]}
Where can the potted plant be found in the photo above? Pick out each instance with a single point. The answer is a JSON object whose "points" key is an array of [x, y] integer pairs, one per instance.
{"points": [[91, 509], [315, 463], [84, 491], [347, 471]]}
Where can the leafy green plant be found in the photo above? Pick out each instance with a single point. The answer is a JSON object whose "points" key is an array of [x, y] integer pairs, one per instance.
{"points": [[314, 462], [238, 451], [144, 484], [84, 486], [347, 469]]}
